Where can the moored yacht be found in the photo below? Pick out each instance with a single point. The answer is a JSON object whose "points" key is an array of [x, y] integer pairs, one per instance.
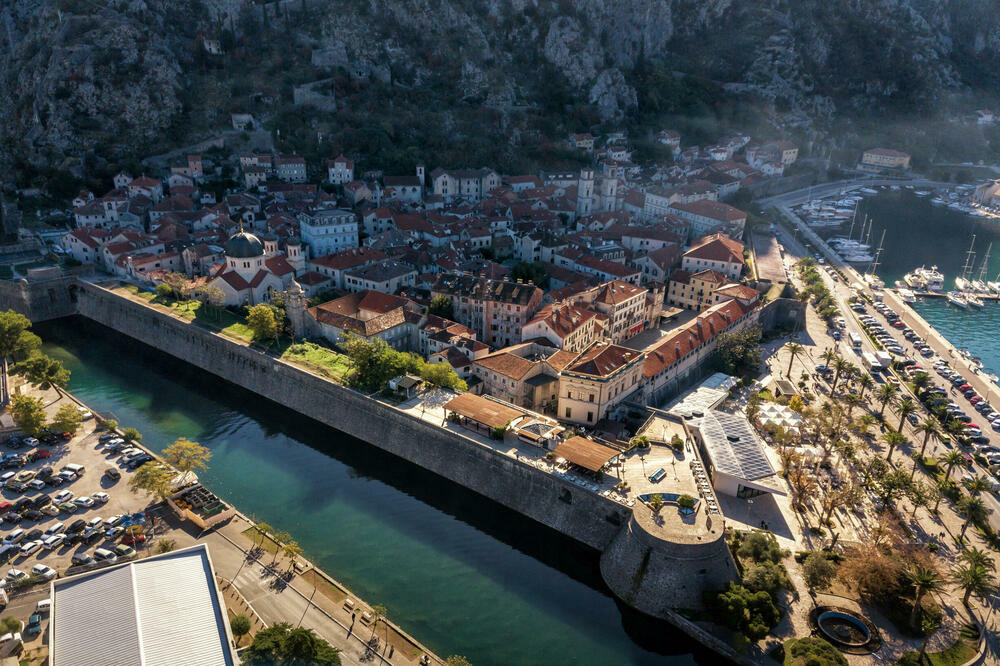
{"points": [[973, 300], [906, 295], [962, 284], [957, 300]]}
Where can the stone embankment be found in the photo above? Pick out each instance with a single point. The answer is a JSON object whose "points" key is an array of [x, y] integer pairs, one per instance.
{"points": [[646, 571]]}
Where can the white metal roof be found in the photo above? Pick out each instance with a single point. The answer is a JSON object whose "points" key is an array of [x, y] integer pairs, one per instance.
{"points": [[159, 611], [733, 446]]}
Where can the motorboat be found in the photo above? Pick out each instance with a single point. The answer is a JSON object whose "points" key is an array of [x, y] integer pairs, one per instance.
{"points": [[867, 191], [913, 280], [957, 300], [874, 281], [994, 287], [921, 193], [906, 295], [938, 201], [980, 286], [933, 279], [973, 300], [856, 257], [963, 284]]}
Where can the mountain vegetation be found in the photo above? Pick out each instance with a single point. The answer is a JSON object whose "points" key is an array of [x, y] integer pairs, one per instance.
{"points": [[93, 84]]}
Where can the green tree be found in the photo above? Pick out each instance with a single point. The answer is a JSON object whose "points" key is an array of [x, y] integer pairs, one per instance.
{"points": [[291, 550], [240, 624], [812, 651], [441, 306], [43, 372], [153, 479], [930, 428], [28, 413], [132, 434], [924, 580], [794, 349], [263, 323], [374, 362], [16, 342], [262, 529], [738, 352], [905, 407], [892, 439], [656, 502], [818, 570], [974, 509], [884, 396], [67, 419], [187, 456], [950, 460], [280, 538], [441, 374], [280, 644], [761, 547], [973, 579], [165, 545], [865, 383], [765, 576], [163, 290]]}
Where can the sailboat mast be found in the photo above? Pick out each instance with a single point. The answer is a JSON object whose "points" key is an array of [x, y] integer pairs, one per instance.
{"points": [[968, 259], [986, 263], [878, 253]]}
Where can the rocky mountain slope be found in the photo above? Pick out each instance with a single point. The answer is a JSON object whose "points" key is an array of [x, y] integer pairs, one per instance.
{"points": [[122, 76]]}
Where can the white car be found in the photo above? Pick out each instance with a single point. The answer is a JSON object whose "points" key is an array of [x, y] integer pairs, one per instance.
{"points": [[14, 536], [36, 484], [7, 476], [15, 574], [62, 496], [55, 529], [84, 501], [100, 497], [44, 572], [84, 413], [54, 541], [30, 547], [95, 523], [113, 520]]}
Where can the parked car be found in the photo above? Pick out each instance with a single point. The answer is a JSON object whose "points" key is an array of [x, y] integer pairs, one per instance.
{"points": [[77, 526], [81, 558], [14, 536], [112, 474], [14, 575], [54, 541], [40, 501], [62, 496], [40, 454], [84, 501], [43, 571], [22, 504], [105, 555], [30, 547], [121, 550], [34, 625], [33, 514], [36, 484], [69, 507]]}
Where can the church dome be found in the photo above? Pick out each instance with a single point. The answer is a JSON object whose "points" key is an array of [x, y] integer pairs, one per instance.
{"points": [[244, 246]]}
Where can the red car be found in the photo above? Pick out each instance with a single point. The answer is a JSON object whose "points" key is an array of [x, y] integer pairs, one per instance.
{"points": [[968, 459], [40, 454], [898, 324], [974, 399], [5, 507], [66, 436], [964, 387]]}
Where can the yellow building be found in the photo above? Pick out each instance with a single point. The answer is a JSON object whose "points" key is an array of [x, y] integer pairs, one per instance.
{"points": [[597, 381], [694, 291], [877, 159]]}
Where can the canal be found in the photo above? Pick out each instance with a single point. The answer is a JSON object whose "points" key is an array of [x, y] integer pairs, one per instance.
{"points": [[461, 573]]}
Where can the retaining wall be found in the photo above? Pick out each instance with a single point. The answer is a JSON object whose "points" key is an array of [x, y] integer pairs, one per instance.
{"points": [[578, 513]]}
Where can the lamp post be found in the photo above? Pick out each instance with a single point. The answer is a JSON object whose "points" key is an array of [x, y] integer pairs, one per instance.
{"points": [[749, 504]]}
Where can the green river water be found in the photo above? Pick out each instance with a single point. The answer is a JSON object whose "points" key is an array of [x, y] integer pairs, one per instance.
{"points": [[460, 573]]}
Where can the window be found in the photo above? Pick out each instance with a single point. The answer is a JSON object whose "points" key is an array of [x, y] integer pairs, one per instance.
{"points": [[592, 397], [569, 413], [590, 417]]}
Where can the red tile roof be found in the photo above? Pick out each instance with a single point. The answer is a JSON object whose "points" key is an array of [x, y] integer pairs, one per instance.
{"points": [[717, 247], [602, 359], [715, 210]]}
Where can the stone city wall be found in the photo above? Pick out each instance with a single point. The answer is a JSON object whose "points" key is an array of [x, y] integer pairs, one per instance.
{"points": [[560, 505]]}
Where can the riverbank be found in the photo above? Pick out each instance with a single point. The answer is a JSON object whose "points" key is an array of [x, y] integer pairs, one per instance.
{"points": [[339, 616]]}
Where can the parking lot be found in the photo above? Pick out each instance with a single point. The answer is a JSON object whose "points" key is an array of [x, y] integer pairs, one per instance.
{"points": [[87, 512]]}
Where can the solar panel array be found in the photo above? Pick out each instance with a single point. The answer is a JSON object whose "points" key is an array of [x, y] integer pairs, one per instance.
{"points": [[733, 446]]}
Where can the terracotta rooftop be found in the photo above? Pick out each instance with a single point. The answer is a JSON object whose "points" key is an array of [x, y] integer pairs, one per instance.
{"points": [[602, 359], [482, 410]]}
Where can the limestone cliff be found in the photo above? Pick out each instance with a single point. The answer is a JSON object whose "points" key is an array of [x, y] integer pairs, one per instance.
{"points": [[122, 76]]}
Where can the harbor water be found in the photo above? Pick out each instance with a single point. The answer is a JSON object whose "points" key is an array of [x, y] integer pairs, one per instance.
{"points": [[918, 233], [460, 573]]}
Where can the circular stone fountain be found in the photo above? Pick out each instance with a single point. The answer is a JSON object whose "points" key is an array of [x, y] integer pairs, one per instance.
{"points": [[845, 629]]}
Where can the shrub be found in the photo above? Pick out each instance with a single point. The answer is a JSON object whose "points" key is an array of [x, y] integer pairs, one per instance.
{"points": [[765, 577], [812, 652], [818, 570], [753, 613], [163, 290], [760, 547], [676, 443], [685, 502]]}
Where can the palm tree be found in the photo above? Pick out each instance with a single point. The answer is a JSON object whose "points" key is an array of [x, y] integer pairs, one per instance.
{"points": [[865, 383], [973, 579], [291, 550], [950, 460], [893, 439], [794, 349], [841, 365], [828, 356], [853, 401], [921, 381], [931, 428], [905, 407], [956, 429], [262, 529], [975, 511], [977, 485], [884, 396], [279, 539], [924, 580], [941, 486], [978, 557]]}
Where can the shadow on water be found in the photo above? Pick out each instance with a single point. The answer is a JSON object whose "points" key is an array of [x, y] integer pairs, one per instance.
{"points": [[119, 356]]}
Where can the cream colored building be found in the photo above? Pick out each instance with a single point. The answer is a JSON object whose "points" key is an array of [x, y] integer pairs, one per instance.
{"points": [[694, 291], [595, 383], [884, 158]]}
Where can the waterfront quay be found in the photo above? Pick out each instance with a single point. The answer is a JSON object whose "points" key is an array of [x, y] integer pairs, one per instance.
{"points": [[249, 585]]}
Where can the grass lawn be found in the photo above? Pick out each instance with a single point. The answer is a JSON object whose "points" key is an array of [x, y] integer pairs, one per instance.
{"points": [[268, 543], [324, 586], [962, 651], [319, 359], [215, 318]]}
